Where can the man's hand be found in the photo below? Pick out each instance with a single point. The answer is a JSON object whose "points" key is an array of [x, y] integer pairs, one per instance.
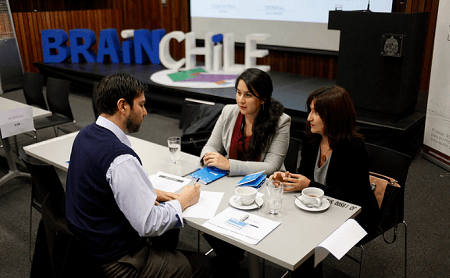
{"points": [[189, 195], [163, 196]]}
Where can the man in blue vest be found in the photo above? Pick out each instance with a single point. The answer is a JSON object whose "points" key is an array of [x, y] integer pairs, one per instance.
{"points": [[111, 205]]}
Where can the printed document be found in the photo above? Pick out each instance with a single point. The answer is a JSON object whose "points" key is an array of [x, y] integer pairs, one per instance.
{"points": [[242, 225], [167, 182]]}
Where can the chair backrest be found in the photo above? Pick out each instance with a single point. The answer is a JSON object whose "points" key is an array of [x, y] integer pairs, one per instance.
{"points": [[193, 143], [45, 178], [199, 118], [395, 165], [291, 159], [33, 89], [58, 97], [58, 235], [68, 256], [94, 99]]}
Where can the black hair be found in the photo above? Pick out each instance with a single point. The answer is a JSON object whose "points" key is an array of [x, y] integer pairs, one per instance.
{"points": [[114, 87], [260, 85]]}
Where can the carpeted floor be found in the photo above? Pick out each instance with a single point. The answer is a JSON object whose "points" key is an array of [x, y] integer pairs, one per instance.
{"points": [[426, 211]]}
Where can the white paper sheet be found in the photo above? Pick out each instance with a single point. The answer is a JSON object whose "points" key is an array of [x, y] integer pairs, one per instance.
{"points": [[206, 207], [16, 121], [252, 230], [340, 241], [167, 182]]}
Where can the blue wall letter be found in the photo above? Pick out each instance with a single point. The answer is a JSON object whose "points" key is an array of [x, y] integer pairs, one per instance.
{"points": [[54, 46], [128, 51], [146, 45], [81, 41], [109, 45]]}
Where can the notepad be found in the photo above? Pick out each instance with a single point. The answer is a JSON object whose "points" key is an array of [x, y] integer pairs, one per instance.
{"points": [[208, 174], [255, 180]]}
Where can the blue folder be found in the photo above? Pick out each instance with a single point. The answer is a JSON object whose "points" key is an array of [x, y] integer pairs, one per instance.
{"points": [[255, 180], [209, 174]]}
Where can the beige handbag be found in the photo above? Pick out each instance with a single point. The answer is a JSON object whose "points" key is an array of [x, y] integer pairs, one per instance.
{"points": [[383, 187]]}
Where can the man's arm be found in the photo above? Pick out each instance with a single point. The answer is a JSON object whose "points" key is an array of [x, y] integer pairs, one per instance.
{"points": [[135, 196]]}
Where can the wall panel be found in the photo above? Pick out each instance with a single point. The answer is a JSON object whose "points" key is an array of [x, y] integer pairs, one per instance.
{"points": [[173, 16], [28, 27]]}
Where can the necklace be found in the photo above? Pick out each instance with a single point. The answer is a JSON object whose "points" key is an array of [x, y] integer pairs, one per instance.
{"points": [[324, 156]]}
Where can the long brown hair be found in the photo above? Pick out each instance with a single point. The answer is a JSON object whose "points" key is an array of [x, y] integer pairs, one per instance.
{"points": [[335, 108]]}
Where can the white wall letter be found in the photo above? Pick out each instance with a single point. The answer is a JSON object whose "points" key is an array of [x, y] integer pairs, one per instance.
{"points": [[251, 53], [164, 50], [192, 51], [229, 57]]}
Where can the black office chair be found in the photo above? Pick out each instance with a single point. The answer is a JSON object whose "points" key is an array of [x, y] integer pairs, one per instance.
{"points": [[58, 104], [291, 159], [94, 99], [193, 143], [45, 179], [33, 89], [33, 84], [395, 165], [58, 251], [197, 117]]}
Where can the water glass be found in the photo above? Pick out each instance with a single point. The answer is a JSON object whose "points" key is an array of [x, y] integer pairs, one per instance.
{"points": [[174, 143], [274, 196]]}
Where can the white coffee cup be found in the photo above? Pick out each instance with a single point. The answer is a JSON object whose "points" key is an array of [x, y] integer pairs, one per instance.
{"points": [[245, 195], [312, 196]]}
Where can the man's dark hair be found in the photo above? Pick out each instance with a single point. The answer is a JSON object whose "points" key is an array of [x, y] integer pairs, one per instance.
{"points": [[114, 87]]}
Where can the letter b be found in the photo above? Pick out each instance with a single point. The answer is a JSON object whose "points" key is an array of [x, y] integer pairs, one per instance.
{"points": [[54, 46]]}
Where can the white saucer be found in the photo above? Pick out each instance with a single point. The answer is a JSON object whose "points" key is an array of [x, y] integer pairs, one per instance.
{"points": [[324, 206], [259, 201]]}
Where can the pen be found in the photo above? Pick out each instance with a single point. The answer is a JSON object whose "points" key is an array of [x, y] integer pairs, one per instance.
{"points": [[197, 180], [244, 218]]}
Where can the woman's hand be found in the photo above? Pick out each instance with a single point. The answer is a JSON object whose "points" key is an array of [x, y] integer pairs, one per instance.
{"points": [[217, 160], [295, 182], [292, 182], [278, 177]]}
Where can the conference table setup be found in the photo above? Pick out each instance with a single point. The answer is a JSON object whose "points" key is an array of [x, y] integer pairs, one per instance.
{"points": [[5, 106], [297, 236]]}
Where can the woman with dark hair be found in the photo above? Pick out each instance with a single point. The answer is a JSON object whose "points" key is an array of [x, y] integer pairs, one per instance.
{"points": [[252, 135], [333, 158]]}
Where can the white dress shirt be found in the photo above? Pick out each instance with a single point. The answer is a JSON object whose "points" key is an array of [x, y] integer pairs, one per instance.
{"points": [[134, 193]]}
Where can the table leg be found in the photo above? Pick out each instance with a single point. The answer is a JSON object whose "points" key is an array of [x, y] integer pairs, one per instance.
{"points": [[253, 262], [13, 172]]}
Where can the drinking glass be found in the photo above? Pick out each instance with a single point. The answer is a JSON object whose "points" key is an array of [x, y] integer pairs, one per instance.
{"points": [[174, 143], [275, 196]]}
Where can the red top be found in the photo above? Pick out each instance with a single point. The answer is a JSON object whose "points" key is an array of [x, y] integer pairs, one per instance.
{"points": [[236, 147]]}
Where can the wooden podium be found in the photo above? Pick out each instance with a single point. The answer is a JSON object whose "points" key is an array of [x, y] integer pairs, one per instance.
{"points": [[380, 59]]}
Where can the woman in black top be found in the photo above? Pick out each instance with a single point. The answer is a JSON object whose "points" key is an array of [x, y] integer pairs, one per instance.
{"points": [[333, 156]]}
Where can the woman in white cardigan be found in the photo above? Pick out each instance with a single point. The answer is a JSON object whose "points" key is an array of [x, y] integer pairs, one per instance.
{"points": [[252, 135]]}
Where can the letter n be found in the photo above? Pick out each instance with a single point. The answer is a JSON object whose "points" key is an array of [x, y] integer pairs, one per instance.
{"points": [[146, 45]]}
